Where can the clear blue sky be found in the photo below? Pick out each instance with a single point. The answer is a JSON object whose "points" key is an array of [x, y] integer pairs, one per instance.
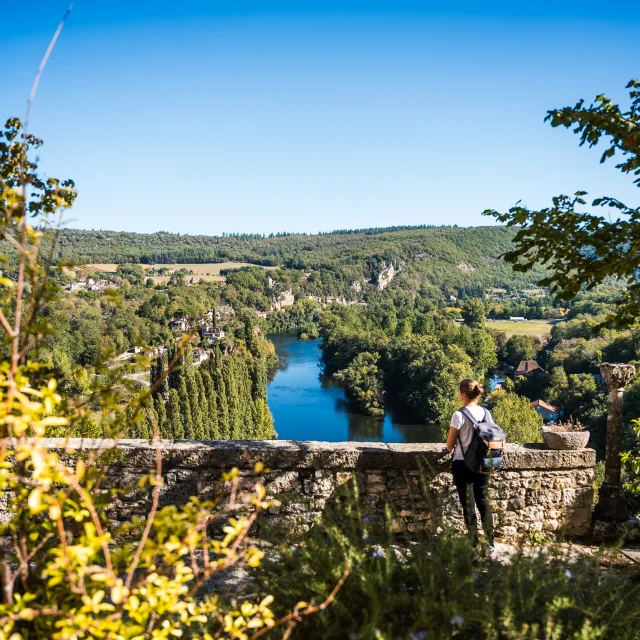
{"points": [[230, 115]]}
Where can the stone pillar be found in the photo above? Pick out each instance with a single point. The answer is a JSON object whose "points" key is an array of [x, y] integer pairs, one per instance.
{"points": [[611, 505]]}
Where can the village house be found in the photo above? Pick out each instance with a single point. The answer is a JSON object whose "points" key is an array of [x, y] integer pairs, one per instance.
{"points": [[98, 285], [211, 333], [200, 356], [179, 324], [546, 411], [528, 367]]}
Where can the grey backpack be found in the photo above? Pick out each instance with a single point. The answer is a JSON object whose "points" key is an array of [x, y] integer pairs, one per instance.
{"points": [[485, 451]]}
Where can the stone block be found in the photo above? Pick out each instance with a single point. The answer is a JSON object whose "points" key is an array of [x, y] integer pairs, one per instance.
{"points": [[283, 482], [551, 525], [343, 476], [544, 497], [376, 488]]}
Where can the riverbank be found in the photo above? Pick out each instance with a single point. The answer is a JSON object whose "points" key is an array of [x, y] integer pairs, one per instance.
{"points": [[307, 405]]}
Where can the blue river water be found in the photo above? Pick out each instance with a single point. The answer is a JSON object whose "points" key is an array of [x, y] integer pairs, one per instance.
{"points": [[307, 405]]}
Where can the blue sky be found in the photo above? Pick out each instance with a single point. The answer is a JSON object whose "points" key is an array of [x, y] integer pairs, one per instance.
{"points": [[204, 117]]}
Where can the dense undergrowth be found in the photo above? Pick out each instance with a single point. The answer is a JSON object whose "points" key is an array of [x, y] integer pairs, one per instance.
{"points": [[434, 585]]}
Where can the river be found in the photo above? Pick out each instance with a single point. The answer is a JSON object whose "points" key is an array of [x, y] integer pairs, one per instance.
{"points": [[307, 405]]}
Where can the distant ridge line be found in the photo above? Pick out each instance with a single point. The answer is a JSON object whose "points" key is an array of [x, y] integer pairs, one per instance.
{"points": [[284, 234]]}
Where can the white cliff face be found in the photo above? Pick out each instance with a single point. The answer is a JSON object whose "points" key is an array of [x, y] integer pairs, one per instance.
{"points": [[385, 276], [356, 286], [285, 299]]}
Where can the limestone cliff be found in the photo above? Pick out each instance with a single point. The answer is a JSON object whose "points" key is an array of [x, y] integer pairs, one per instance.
{"points": [[385, 276]]}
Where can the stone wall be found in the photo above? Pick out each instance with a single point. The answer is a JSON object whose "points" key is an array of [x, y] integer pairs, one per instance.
{"points": [[538, 489]]}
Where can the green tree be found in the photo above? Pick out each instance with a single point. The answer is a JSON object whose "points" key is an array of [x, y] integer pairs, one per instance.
{"points": [[251, 340], [362, 380], [185, 410], [512, 412], [473, 313], [218, 376], [480, 347], [263, 420], [202, 404], [581, 249], [175, 423], [161, 413], [132, 273], [425, 376], [212, 428], [520, 347], [195, 402]]}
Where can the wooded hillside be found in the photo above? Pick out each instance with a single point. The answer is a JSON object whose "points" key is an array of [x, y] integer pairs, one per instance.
{"points": [[451, 256]]}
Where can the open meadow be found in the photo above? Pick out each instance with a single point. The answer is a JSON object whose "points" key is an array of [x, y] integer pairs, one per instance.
{"points": [[537, 328], [208, 271]]}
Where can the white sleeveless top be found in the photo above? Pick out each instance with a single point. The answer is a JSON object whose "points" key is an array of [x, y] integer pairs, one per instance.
{"points": [[465, 427]]}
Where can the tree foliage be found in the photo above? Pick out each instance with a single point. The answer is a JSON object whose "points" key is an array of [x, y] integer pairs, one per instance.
{"points": [[67, 571], [582, 249], [473, 313], [419, 355], [362, 380], [512, 412]]}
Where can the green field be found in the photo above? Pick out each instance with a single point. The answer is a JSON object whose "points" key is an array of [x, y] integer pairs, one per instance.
{"points": [[209, 271], [538, 328]]}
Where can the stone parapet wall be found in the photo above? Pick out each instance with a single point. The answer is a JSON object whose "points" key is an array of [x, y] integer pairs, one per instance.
{"points": [[538, 489]]}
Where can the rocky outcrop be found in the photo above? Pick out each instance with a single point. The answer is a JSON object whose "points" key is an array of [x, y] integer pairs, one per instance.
{"points": [[282, 300], [356, 285], [538, 489], [385, 276]]}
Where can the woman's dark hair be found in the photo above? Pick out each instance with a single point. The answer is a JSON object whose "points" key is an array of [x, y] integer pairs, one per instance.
{"points": [[471, 389]]}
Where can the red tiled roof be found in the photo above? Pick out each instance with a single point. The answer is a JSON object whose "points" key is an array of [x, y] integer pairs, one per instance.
{"points": [[543, 404], [527, 366]]}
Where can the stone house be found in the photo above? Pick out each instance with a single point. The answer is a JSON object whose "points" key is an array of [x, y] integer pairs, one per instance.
{"points": [[200, 356], [212, 334], [179, 324]]}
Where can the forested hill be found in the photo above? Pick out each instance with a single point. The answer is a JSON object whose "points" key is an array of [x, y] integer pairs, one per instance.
{"points": [[449, 255]]}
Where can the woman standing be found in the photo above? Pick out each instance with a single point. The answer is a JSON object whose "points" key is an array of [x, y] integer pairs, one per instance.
{"points": [[472, 487]]}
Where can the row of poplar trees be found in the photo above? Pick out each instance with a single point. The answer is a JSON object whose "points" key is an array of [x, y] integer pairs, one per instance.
{"points": [[224, 398]]}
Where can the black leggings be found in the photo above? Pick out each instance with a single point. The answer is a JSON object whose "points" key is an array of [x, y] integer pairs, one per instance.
{"points": [[464, 480]]}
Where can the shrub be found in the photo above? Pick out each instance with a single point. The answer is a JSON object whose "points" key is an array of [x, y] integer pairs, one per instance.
{"points": [[519, 421], [434, 585]]}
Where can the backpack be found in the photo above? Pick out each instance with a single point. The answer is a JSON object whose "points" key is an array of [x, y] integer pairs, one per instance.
{"points": [[484, 453]]}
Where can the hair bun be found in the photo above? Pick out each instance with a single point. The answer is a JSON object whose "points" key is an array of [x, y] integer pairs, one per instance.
{"points": [[470, 388]]}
